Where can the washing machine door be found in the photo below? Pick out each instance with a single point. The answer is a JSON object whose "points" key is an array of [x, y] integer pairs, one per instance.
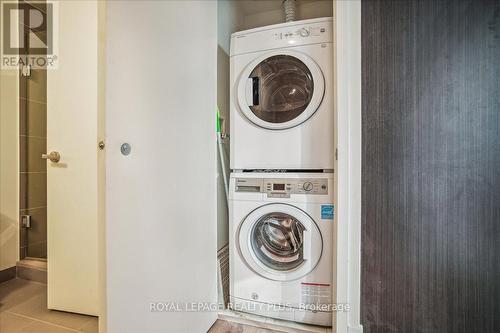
{"points": [[280, 89], [280, 242]]}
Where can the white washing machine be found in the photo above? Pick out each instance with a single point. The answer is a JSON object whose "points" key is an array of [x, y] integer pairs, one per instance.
{"points": [[282, 110], [281, 236]]}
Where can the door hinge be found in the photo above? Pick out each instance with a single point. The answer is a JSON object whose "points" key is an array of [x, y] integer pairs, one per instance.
{"points": [[26, 71], [26, 221]]}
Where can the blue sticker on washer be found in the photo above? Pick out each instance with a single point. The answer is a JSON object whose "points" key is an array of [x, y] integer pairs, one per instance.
{"points": [[327, 212]]}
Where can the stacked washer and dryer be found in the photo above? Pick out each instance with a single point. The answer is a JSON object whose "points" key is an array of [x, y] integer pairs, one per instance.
{"points": [[281, 228]]}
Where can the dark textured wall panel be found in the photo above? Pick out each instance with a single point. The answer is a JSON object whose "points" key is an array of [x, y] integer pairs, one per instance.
{"points": [[431, 166]]}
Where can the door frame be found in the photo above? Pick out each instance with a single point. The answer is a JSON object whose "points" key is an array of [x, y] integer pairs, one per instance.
{"points": [[347, 27], [348, 178]]}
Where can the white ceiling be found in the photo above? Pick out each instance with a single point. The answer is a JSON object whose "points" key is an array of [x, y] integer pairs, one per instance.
{"points": [[258, 6]]}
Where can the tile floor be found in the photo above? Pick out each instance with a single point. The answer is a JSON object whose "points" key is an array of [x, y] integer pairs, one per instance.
{"points": [[23, 309], [222, 326]]}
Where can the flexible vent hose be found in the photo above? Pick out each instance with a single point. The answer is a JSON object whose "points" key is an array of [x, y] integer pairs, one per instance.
{"points": [[289, 8]]}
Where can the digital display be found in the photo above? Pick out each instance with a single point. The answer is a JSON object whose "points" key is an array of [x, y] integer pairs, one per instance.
{"points": [[278, 187]]}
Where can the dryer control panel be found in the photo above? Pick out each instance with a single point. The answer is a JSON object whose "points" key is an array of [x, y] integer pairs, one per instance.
{"points": [[300, 32], [282, 187], [292, 34]]}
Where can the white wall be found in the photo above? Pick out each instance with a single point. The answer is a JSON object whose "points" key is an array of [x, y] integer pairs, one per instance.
{"points": [[308, 10], [9, 168], [229, 20]]}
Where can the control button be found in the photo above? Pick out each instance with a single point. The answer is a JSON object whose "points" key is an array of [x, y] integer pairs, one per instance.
{"points": [[308, 186], [304, 32]]}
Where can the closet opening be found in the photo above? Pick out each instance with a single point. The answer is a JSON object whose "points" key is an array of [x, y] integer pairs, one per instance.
{"points": [[276, 231]]}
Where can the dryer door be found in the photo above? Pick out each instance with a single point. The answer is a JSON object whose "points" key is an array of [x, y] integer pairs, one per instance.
{"points": [[280, 242], [280, 89]]}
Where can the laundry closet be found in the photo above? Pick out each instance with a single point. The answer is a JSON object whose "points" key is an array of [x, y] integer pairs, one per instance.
{"points": [[277, 159]]}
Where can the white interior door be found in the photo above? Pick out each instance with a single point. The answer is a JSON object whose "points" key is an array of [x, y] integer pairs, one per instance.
{"points": [[161, 198], [72, 183]]}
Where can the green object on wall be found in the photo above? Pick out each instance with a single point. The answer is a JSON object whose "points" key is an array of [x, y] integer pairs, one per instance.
{"points": [[218, 119]]}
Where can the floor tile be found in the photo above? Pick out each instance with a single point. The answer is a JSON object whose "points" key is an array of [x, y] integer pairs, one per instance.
{"points": [[39, 327], [223, 326], [10, 323], [92, 326], [33, 274], [14, 291], [28, 300], [36, 307]]}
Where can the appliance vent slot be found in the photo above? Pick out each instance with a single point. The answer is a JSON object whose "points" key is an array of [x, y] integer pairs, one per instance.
{"points": [[223, 263]]}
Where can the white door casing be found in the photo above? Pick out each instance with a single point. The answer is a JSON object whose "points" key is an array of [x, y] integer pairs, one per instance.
{"points": [[348, 64], [161, 198]]}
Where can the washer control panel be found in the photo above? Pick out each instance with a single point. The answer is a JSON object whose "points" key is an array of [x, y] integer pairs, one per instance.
{"points": [[283, 187]]}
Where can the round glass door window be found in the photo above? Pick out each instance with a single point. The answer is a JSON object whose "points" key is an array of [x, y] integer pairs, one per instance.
{"points": [[280, 242], [282, 88], [277, 240]]}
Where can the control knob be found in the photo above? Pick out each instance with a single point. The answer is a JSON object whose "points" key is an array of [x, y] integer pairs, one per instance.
{"points": [[308, 186], [304, 32]]}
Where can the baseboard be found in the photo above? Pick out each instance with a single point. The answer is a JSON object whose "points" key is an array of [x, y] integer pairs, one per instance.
{"points": [[7, 274]]}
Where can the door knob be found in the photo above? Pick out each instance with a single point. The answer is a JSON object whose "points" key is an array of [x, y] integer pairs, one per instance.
{"points": [[53, 156]]}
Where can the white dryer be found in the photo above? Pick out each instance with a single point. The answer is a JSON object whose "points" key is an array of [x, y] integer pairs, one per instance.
{"points": [[281, 236], [282, 106]]}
